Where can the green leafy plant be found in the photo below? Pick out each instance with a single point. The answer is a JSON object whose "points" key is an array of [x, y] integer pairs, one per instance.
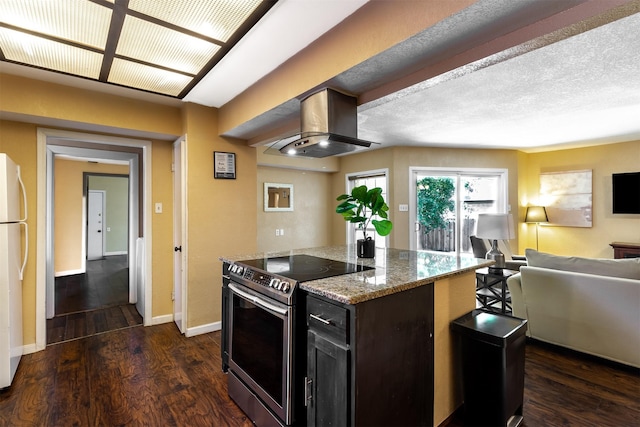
{"points": [[361, 206], [434, 202]]}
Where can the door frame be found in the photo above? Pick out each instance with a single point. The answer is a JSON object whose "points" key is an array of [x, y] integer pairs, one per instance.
{"points": [[88, 210], [46, 150], [180, 234], [348, 185]]}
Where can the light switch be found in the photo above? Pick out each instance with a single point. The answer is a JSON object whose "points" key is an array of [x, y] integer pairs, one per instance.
{"points": [[158, 207], [403, 208]]}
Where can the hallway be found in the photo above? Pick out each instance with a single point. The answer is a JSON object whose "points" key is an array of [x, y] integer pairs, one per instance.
{"points": [[93, 302]]}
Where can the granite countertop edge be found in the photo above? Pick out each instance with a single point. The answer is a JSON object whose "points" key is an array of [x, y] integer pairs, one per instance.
{"points": [[312, 288], [394, 271]]}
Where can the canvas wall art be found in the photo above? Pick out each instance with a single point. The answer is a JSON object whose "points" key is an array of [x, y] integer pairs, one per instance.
{"points": [[567, 197]]}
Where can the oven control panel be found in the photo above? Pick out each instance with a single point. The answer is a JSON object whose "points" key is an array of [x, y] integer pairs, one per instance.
{"points": [[260, 278]]}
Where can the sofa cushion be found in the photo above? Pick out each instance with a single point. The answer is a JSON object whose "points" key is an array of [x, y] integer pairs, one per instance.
{"points": [[628, 268]]}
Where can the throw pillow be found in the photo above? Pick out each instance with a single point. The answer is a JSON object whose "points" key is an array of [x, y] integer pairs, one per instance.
{"points": [[628, 268]]}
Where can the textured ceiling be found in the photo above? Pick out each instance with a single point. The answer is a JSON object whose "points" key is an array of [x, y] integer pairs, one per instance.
{"points": [[578, 90], [574, 86]]}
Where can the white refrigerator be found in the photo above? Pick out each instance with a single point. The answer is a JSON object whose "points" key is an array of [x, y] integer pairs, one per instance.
{"points": [[13, 258]]}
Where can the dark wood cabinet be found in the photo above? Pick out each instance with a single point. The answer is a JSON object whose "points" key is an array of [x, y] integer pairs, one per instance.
{"points": [[625, 250], [371, 363], [327, 381]]}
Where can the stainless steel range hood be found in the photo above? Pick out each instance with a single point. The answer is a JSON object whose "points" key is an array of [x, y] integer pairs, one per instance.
{"points": [[329, 126]]}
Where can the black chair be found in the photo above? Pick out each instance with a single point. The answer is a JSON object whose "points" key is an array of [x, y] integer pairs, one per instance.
{"points": [[480, 249]]}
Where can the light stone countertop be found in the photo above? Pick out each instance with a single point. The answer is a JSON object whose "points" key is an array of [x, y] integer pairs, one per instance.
{"points": [[396, 270]]}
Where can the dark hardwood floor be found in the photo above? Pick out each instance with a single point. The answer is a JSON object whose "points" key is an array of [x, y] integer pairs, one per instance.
{"points": [[93, 302], [154, 376]]}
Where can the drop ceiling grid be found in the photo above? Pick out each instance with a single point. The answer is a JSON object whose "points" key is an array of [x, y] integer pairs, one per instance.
{"points": [[132, 74], [161, 46], [217, 19], [172, 42], [79, 21], [45, 53]]}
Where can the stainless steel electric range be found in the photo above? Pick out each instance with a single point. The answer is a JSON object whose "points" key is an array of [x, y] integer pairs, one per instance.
{"points": [[264, 333]]}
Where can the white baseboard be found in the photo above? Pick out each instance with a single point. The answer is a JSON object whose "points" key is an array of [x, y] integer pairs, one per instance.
{"points": [[159, 320], [29, 348], [115, 253], [67, 273], [203, 329]]}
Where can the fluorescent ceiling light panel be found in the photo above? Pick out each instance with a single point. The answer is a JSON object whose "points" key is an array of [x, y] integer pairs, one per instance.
{"points": [[148, 78], [217, 19], [154, 44], [78, 21], [39, 52]]}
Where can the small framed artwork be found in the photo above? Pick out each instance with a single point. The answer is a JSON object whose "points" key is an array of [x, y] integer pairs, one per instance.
{"points": [[224, 165]]}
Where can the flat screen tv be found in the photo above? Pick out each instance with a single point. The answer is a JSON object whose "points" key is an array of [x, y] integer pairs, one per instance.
{"points": [[626, 193]]}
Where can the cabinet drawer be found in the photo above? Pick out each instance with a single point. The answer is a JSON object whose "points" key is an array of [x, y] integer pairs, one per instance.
{"points": [[329, 319]]}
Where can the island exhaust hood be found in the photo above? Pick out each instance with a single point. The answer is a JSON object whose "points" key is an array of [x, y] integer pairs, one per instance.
{"points": [[329, 126]]}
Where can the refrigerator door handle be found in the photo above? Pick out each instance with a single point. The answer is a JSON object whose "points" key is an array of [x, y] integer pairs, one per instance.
{"points": [[26, 247], [24, 196]]}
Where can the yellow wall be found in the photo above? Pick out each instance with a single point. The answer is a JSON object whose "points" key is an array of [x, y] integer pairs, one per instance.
{"points": [[72, 107], [68, 208], [221, 212], [309, 224], [603, 160], [399, 160]]}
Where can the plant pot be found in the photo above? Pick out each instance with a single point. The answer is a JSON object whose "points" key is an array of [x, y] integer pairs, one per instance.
{"points": [[366, 248]]}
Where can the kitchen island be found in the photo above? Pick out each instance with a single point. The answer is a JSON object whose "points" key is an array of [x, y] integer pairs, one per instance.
{"points": [[390, 327]]}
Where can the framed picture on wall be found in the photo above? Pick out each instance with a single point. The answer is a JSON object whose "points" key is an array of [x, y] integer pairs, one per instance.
{"points": [[224, 165], [567, 197]]}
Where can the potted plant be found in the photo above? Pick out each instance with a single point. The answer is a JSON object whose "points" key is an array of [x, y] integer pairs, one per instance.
{"points": [[359, 208]]}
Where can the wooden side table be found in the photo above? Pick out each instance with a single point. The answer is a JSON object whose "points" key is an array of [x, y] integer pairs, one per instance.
{"points": [[491, 288], [625, 250]]}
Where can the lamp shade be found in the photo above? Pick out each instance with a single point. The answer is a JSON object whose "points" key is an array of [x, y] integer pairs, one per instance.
{"points": [[495, 227], [536, 214]]}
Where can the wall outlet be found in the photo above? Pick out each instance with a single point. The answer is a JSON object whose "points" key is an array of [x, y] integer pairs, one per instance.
{"points": [[158, 207], [277, 232]]}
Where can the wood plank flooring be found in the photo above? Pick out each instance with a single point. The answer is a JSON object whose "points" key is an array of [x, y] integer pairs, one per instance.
{"points": [[154, 376], [93, 302], [105, 284], [86, 323]]}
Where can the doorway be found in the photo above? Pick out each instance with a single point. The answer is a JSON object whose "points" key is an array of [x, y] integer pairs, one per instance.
{"points": [[137, 155]]}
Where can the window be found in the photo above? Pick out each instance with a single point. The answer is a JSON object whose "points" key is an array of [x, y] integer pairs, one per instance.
{"points": [[447, 203], [371, 179]]}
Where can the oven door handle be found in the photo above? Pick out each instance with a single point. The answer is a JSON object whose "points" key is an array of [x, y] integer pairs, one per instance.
{"points": [[258, 301]]}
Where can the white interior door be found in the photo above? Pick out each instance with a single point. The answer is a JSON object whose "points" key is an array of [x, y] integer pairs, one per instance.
{"points": [[95, 225], [179, 250]]}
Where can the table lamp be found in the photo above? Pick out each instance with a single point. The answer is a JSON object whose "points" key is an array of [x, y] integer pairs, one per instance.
{"points": [[536, 214], [495, 227]]}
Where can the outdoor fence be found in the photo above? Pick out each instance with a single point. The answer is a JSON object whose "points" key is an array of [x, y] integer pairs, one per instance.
{"points": [[444, 239]]}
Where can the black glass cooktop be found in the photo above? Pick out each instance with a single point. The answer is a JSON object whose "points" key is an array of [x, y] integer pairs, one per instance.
{"points": [[302, 268]]}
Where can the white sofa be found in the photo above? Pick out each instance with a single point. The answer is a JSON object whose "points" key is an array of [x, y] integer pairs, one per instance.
{"points": [[588, 305]]}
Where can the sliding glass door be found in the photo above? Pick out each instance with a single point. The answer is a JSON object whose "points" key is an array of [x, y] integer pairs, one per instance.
{"points": [[447, 203]]}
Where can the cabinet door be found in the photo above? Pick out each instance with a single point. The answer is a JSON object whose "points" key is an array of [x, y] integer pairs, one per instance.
{"points": [[327, 382]]}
